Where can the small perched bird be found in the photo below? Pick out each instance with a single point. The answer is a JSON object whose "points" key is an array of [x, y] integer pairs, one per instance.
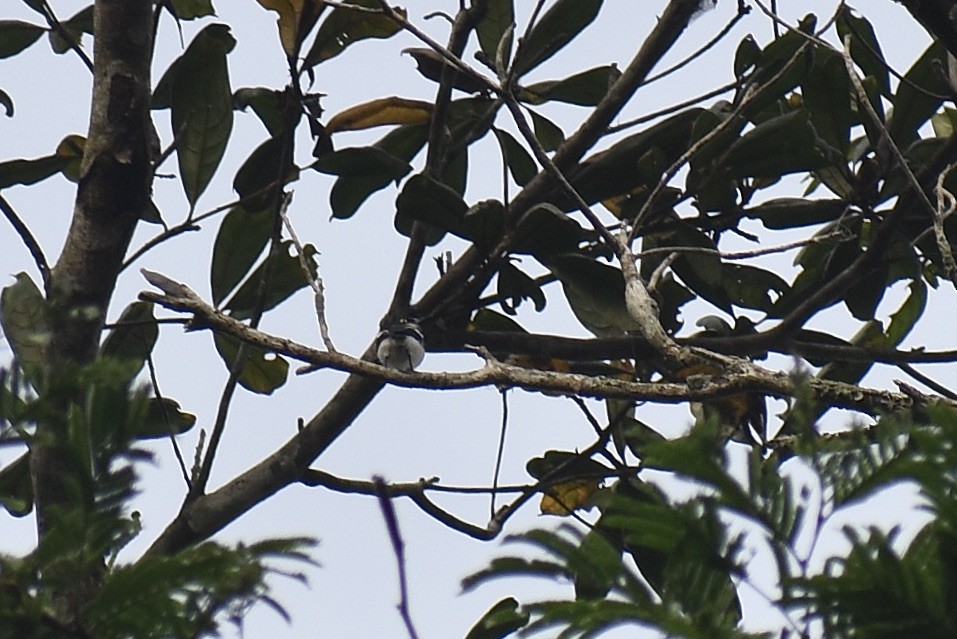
{"points": [[399, 346]]}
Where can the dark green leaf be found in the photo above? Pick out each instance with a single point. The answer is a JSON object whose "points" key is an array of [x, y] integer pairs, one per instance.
{"points": [[343, 27], [773, 59], [81, 22], [425, 200], [23, 319], [615, 171], [16, 487], [488, 320], [265, 103], [563, 21], [484, 223], [787, 212], [595, 292], [501, 620], [781, 145], [587, 88], [241, 239], [133, 336], [257, 179], [918, 97], [746, 56], [31, 171], [162, 97], [905, 318], [202, 108], [348, 193], [262, 373], [432, 65], [752, 287], [16, 35], [545, 230], [549, 135], [499, 16], [865, 50], [519, 162], [362, 161], [191, 9], [827, 97], [286, 278], [163, 419], [514, 286]]}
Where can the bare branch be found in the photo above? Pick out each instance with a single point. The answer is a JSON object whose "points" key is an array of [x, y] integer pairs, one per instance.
{"points": [[398, 547], [28, 240], [315, 283]]}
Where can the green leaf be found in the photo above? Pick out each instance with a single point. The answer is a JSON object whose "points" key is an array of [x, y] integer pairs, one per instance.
{"points": [[616, 170], [191, 9], [595, 292], [499, 16], [752, 287], [546, 230], [501, 620], [865, 49], [362, 161], [425, 200], [163, 419], [549, 135], [918, 96], [262, 373], [343, 27], [81, 22], [134, 336], [265, 103], [202, 108], [827, 98], [520, 163], [16, 487], [587, 88], [348, 193], [563, 21], [514, 286], [433, 65], [24, 322], [31, 171], [794, 212], [784, 144], [746, 55], [286, 277], [16, 35], [256, 181], [242, 236], [905, 318], [484, 222]]}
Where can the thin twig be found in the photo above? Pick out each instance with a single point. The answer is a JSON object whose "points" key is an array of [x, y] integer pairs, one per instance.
{"points": [[154, 380], [743, 255], [57, 26], [937, 387], [673, 108], [945, 206], [29, 241], [751, 94], [315, 282], [500, 452], [743, 10], [875, 119], [398, 547]]}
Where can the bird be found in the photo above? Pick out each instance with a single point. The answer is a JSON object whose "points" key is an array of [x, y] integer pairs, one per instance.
{"points": [[400, 345]]}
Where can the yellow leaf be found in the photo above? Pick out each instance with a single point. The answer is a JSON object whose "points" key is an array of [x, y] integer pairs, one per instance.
{"points": [[562, 499], [384, 111], [290, 14]]}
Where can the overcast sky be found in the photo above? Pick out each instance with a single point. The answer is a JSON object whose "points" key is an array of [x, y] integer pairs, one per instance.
{"points": [[404, 434]]}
